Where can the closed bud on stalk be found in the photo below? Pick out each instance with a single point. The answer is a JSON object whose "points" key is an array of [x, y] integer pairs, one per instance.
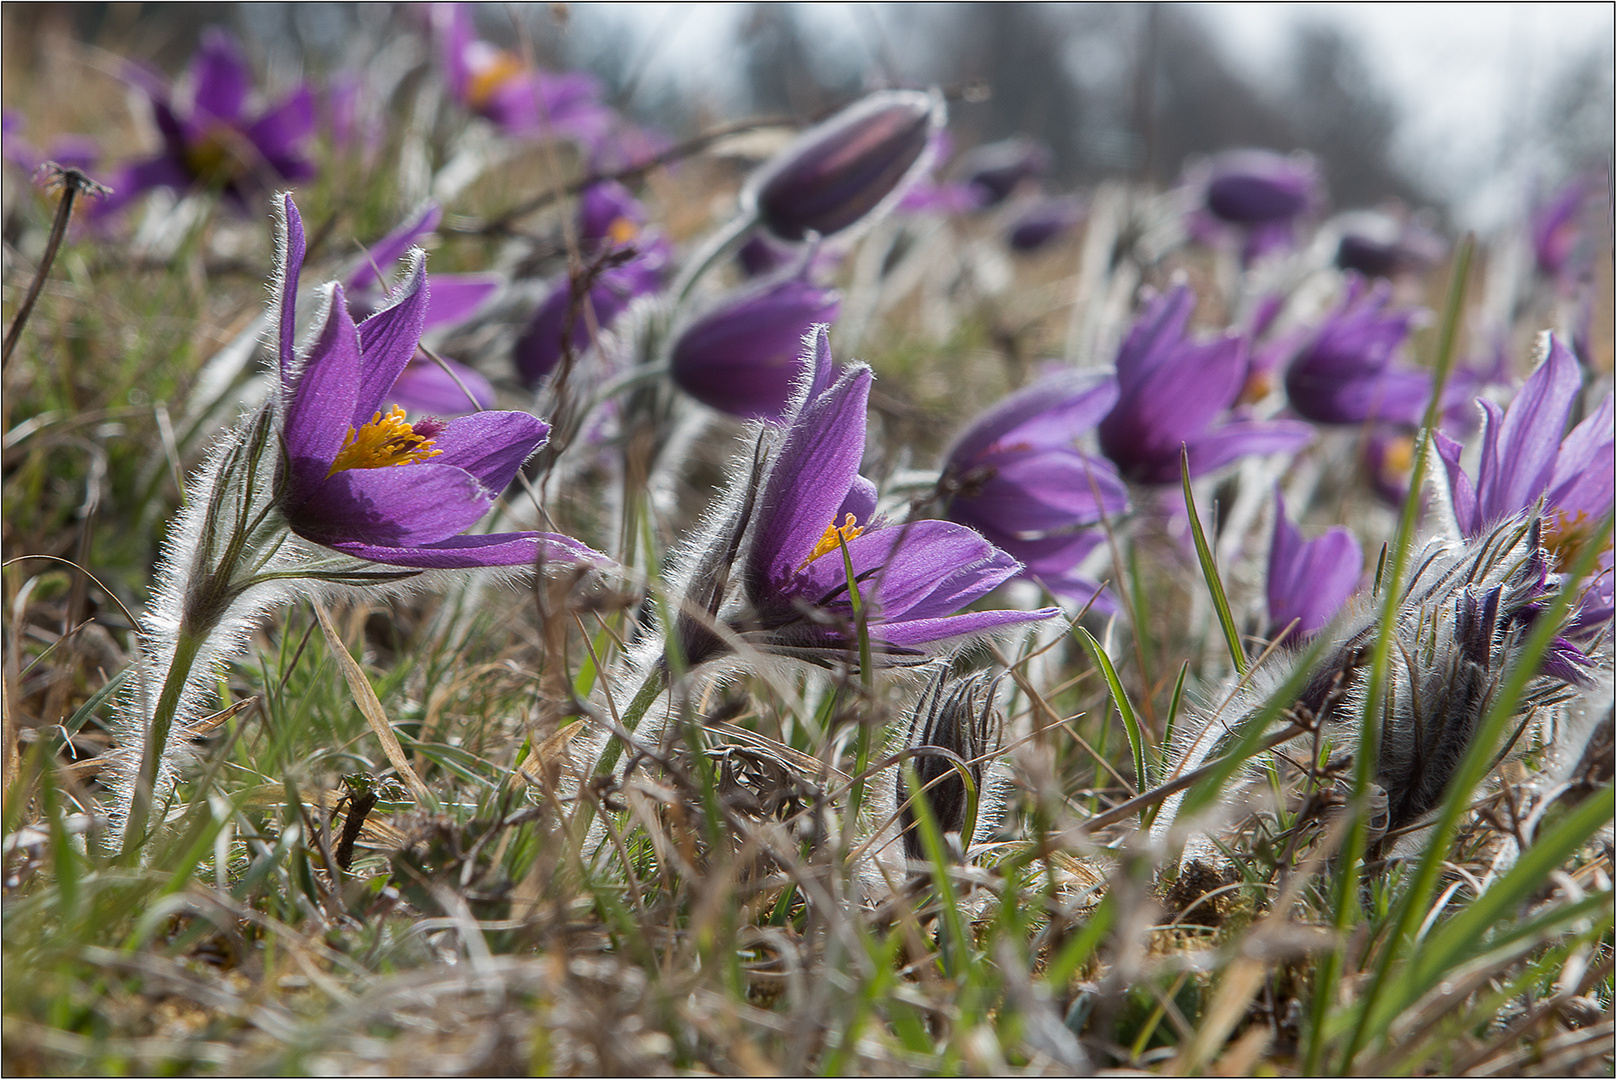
{"points": [[960, 717], [842, 171], [1255, 187]]}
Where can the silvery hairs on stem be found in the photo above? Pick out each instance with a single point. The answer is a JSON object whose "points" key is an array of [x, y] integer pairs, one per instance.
{"points": [[956, 722], [1461, 626]]}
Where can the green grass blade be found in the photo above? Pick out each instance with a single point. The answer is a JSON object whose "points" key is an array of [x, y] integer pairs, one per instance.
{"points": [[1204, 553], [1125, 708]]}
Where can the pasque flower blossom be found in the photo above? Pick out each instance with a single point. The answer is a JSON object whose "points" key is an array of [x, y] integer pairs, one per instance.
{"points": [[997, 169], [365, 482], [1347, 374], [1309, 580], [218, 142], [745, 355], [623, 261], [1172, 393], [1525, 458], [788, 523], [1017, 476]]}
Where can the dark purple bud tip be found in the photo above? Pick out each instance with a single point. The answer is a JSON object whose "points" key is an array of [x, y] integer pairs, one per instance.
{"points": [[842, 171]]}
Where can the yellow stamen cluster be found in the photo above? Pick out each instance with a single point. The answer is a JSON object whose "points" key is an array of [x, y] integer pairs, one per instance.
{"points": [[210, 158], [622, 230], [386, 440], [1566, 538], [835, 536], [495, 74], [1398, 458]]}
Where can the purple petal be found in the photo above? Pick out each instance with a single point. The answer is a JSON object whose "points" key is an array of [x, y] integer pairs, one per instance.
{"points": [[400, 505], [922, 568], [222, 77], [291, 263], [135, 180], [424, 387], [922, 631], [390, 248], [468, 552], [861, 501], [1153, 339], [1237, 440], [279, 131], [1310, 580], [320, 408], [491, 445], [388, 340], [1053, 411], [1041, 491], [1518, 454], [1462, 495], [456, 297], [1582, 480], [813, 471]]}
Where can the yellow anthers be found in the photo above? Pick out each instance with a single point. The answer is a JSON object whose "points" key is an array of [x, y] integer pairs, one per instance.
{"points": [[386, 440], [834, 538], [1399, 457], [622, 230], [1566, 538], [496, 73], [211, 158]]}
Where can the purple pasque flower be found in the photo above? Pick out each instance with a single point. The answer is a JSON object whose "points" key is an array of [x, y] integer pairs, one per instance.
{"points": [[1260, 187], [802, 504], [845, 170], [997, 169], [1043, 220], [523, 101], [1346, 373], [1382, 245], [623, 260], [1309, 580], [367, 483], [1525, 458], [424, 386], [745, 355], [217, 141], [1173, 392], [69, 151], [1016, 475]]}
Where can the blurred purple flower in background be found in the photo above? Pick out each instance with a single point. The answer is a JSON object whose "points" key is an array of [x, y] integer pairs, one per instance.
{"points": [[622, 261], [371, 485], [1346, 373], [1016, 475], [996, 170], [1044, 220], [424, 386], [1525, 458], [1557, 232], [1309, 580], [218, 142], [745, 355], [1171, 393], [913, 578], [844, 171], [1258, 193], [1378, 244]]}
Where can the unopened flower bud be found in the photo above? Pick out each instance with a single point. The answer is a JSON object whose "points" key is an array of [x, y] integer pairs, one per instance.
{"points": [[1254, 187], [841, 171], [962, 718]]}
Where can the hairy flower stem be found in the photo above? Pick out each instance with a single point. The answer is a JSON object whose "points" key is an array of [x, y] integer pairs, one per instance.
{"points": [[708, 255], [186, 648]]}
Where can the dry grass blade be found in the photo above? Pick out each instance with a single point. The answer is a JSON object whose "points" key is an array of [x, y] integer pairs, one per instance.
{"points": [[369, 705]]}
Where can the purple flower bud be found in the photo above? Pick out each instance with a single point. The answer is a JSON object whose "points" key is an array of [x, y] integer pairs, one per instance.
{"points": [[1044, 221], [1251, 187], [997, 169], [1380, 245], [1309, 580], [842, 171], [745, 356], [1346, 374]]}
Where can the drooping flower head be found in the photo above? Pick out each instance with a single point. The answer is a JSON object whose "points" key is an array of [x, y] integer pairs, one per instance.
{"points": [[424, 386], [790, 519], [843, 171], [1016, 475], [1044, 220], [1525, 458], [623, 260], [1383, 245], [997, 169], [215, 140], [1309, 580], [1256, 195], [361, 480], [745, 355], [1172, 392]]}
